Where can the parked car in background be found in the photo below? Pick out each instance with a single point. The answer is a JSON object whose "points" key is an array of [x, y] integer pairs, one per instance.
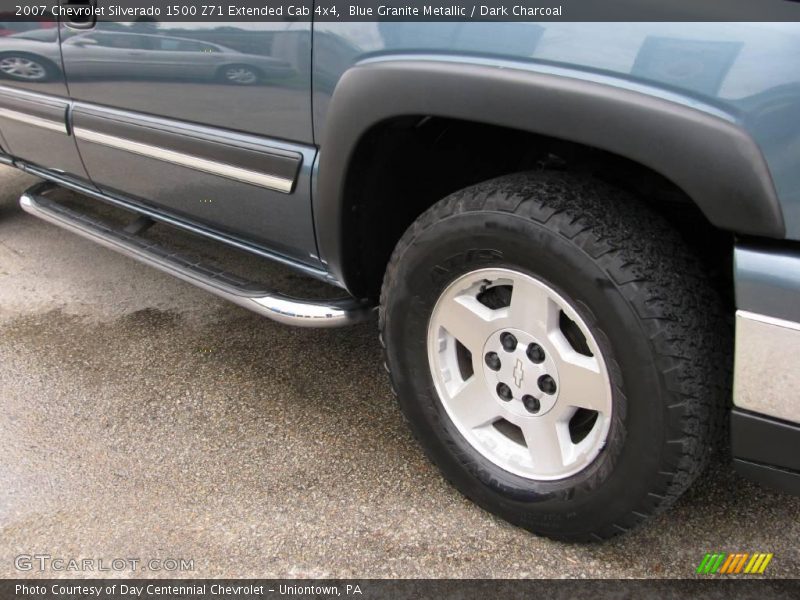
{"points": [[12, 26], [35, 56]]}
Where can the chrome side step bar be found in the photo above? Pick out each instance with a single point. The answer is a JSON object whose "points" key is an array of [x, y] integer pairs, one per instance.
{"points": [[278, 307]]}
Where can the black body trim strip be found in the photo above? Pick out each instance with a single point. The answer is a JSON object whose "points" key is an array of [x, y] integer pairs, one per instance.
{"points": [[765, 440], [233, 155], [47, 112], [713, 160], [781, 479]]}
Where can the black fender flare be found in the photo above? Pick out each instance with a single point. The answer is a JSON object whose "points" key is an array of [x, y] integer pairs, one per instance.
{"points": [[714, 161]]}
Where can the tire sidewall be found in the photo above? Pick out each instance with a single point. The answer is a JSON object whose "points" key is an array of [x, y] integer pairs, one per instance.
{"points": [[466, 242]]}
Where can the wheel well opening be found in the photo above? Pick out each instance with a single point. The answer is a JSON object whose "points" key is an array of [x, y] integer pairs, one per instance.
{"points": [[403, 166]]}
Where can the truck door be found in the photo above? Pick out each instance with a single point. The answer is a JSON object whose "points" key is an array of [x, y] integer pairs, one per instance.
{"points": [[34, 100], [209, 122]]}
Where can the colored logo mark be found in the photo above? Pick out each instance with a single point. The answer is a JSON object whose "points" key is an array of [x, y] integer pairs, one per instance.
{"points": [[720, 563]]}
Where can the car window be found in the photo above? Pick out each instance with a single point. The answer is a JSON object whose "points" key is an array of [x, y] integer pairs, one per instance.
{"points": [[38, 35], [179, 45], [31, 25], [123, 40]]}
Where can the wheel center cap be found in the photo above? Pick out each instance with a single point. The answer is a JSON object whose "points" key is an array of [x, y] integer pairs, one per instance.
{"points": [[520, 372]]}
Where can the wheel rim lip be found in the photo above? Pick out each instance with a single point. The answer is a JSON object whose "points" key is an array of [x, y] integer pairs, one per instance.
{"points": [[600, 430], [11, 68]]}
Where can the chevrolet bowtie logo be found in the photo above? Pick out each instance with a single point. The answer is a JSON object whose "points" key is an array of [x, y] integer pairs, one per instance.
{"points": [[519, 374]]}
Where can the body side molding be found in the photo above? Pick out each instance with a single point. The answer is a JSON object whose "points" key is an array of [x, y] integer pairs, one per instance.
{"points": [[250, 159], [713, 160], [29, 119], [33, 108], [273, 182], [36, 129]]}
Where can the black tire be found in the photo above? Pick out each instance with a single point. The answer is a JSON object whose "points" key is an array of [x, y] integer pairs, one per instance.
{"points": [[659, 322]]}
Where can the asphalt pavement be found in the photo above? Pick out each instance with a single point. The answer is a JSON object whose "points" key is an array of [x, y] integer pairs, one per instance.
{"points": [[142, 418]]}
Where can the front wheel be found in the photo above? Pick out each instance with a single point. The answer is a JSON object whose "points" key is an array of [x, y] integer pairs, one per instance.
{"points": [[23, 67], [557, 351], [239, 75]]}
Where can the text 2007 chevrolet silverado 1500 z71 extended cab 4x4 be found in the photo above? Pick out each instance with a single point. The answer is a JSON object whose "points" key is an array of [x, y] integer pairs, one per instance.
{"points": [[583, 238]]}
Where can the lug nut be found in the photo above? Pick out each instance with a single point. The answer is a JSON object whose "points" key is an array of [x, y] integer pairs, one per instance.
{"points": [[547, 384], [531, 404], [509, 341], [492, 361], [504, 392], [535, 353]]}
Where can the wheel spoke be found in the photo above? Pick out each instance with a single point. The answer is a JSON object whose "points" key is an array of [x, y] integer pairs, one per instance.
{"points": [[531, 308], [581, 383], [548, 443], [472, 405], [468, 321], [531, 374]]}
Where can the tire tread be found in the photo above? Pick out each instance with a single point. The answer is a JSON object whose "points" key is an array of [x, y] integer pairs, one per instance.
{"points": [[663, 282]]}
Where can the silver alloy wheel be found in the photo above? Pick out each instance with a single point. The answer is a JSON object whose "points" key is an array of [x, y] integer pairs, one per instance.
{"points": [[22, 68], [520, 374], [241, 75]]}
